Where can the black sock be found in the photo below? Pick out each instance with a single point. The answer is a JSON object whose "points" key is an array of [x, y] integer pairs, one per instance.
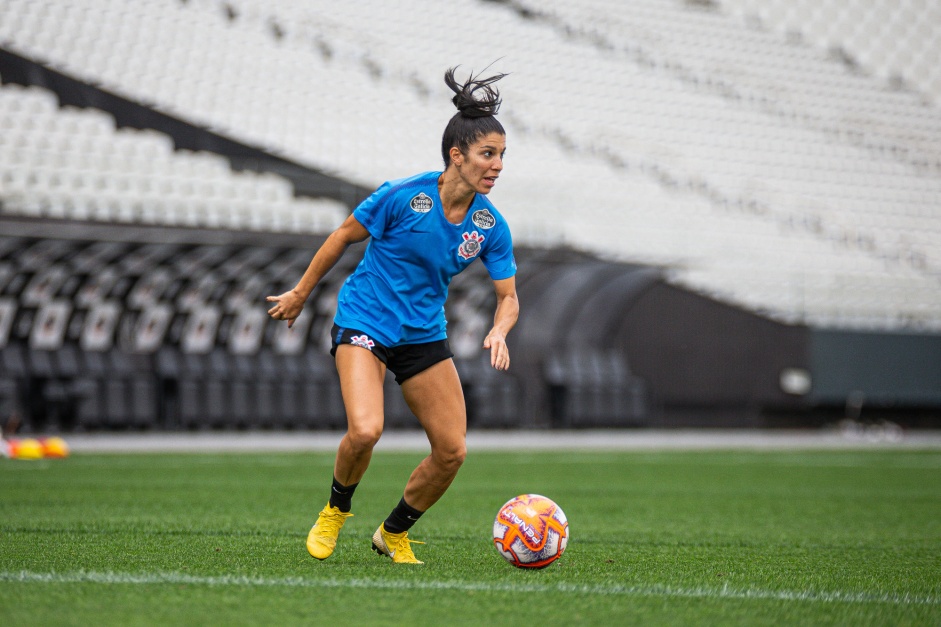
{"points": [[341, 496], [402, 517]]}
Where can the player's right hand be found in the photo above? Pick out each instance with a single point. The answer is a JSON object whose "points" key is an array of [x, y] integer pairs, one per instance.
{"points": [[287, 306]]}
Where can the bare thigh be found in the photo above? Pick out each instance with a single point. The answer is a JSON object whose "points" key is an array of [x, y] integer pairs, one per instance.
{"points": [[436, 398]]}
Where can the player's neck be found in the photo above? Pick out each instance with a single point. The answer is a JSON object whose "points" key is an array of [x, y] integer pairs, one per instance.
{"points": [[456, 196]]}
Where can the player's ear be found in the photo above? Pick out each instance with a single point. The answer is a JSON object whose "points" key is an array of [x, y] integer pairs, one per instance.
{"points": [[457, 158]]}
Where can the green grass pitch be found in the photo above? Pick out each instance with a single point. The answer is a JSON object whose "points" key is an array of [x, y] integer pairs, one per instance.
{"points": [[674, 538]]}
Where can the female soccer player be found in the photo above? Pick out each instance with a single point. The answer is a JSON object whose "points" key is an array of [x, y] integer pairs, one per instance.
{"points": [[390, 312]]}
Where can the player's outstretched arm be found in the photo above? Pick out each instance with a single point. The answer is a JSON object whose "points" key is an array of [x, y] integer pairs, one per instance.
{"points": [[508, 310], [288, 306]]}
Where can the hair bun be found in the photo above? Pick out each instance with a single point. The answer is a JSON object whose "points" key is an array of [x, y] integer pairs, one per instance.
{"points": [[476, 97]]}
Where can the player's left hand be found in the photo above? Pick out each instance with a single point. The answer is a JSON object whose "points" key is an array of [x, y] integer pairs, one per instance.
{"points": [[287, 306], [499, 353]]}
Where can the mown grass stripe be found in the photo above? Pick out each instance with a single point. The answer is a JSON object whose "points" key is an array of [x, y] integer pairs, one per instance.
{"points": [[725, 592]]}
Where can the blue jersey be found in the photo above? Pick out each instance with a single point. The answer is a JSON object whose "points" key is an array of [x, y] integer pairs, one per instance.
{"points": [[397, 291]]}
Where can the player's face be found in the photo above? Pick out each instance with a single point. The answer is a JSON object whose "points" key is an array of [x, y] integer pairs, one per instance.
{"points": [[483, 162]]}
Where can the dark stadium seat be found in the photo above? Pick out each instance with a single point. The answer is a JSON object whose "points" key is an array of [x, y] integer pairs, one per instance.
{"points": [[14, 373], [168, 373], [323, 402], [592, 388], [493, 399], [9, 401], [278, 391], [262, 386], [287, 377], [196, 400], [134, 387], [211, 377]]}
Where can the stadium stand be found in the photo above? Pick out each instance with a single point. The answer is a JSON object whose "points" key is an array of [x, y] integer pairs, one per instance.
{"points": [[667, 135], [164, 328], [138, 333], [765, 156]]}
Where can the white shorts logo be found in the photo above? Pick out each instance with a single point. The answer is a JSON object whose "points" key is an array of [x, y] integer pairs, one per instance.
{"points": [[362, 340]]}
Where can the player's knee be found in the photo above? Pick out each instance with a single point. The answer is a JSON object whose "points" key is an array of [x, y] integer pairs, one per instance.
{"points": [[364, 437], [451, 457]]}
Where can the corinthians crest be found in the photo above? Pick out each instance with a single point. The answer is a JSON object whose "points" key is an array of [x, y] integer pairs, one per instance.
{"points": [[470, 248]]}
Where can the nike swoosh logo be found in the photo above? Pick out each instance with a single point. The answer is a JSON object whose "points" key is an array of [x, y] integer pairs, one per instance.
{"points": [[335, 490], [410, 518]]}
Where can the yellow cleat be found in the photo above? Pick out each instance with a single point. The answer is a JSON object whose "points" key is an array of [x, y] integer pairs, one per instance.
{"points": [[395, 545], [322, 538]]}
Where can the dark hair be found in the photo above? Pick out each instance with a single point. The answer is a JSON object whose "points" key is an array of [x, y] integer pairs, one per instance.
{"points": [[477, 101]]}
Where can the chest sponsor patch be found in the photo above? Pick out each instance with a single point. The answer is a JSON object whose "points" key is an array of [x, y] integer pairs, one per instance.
{"points": [[422, 203], [484, 219], [470, 247]]}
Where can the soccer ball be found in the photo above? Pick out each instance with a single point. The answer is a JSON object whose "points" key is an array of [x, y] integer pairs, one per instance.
{"points": [[530, 531]]}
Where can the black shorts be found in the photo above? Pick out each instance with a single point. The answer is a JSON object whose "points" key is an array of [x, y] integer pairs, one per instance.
{"points": [[403, 361]]}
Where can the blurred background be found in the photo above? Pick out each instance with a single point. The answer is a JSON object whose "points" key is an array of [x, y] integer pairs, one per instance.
{"points": [[727, 213]]}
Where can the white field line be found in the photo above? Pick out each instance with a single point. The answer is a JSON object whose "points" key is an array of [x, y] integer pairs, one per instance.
{"points": [[591, 440], [725, 592]]}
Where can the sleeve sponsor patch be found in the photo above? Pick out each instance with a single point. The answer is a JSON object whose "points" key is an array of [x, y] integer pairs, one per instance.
{"points": [[483, 219], [422, 203]]}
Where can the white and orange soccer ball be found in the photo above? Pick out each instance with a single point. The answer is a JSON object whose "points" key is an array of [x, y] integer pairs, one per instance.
{"points": [[530, 531]]}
